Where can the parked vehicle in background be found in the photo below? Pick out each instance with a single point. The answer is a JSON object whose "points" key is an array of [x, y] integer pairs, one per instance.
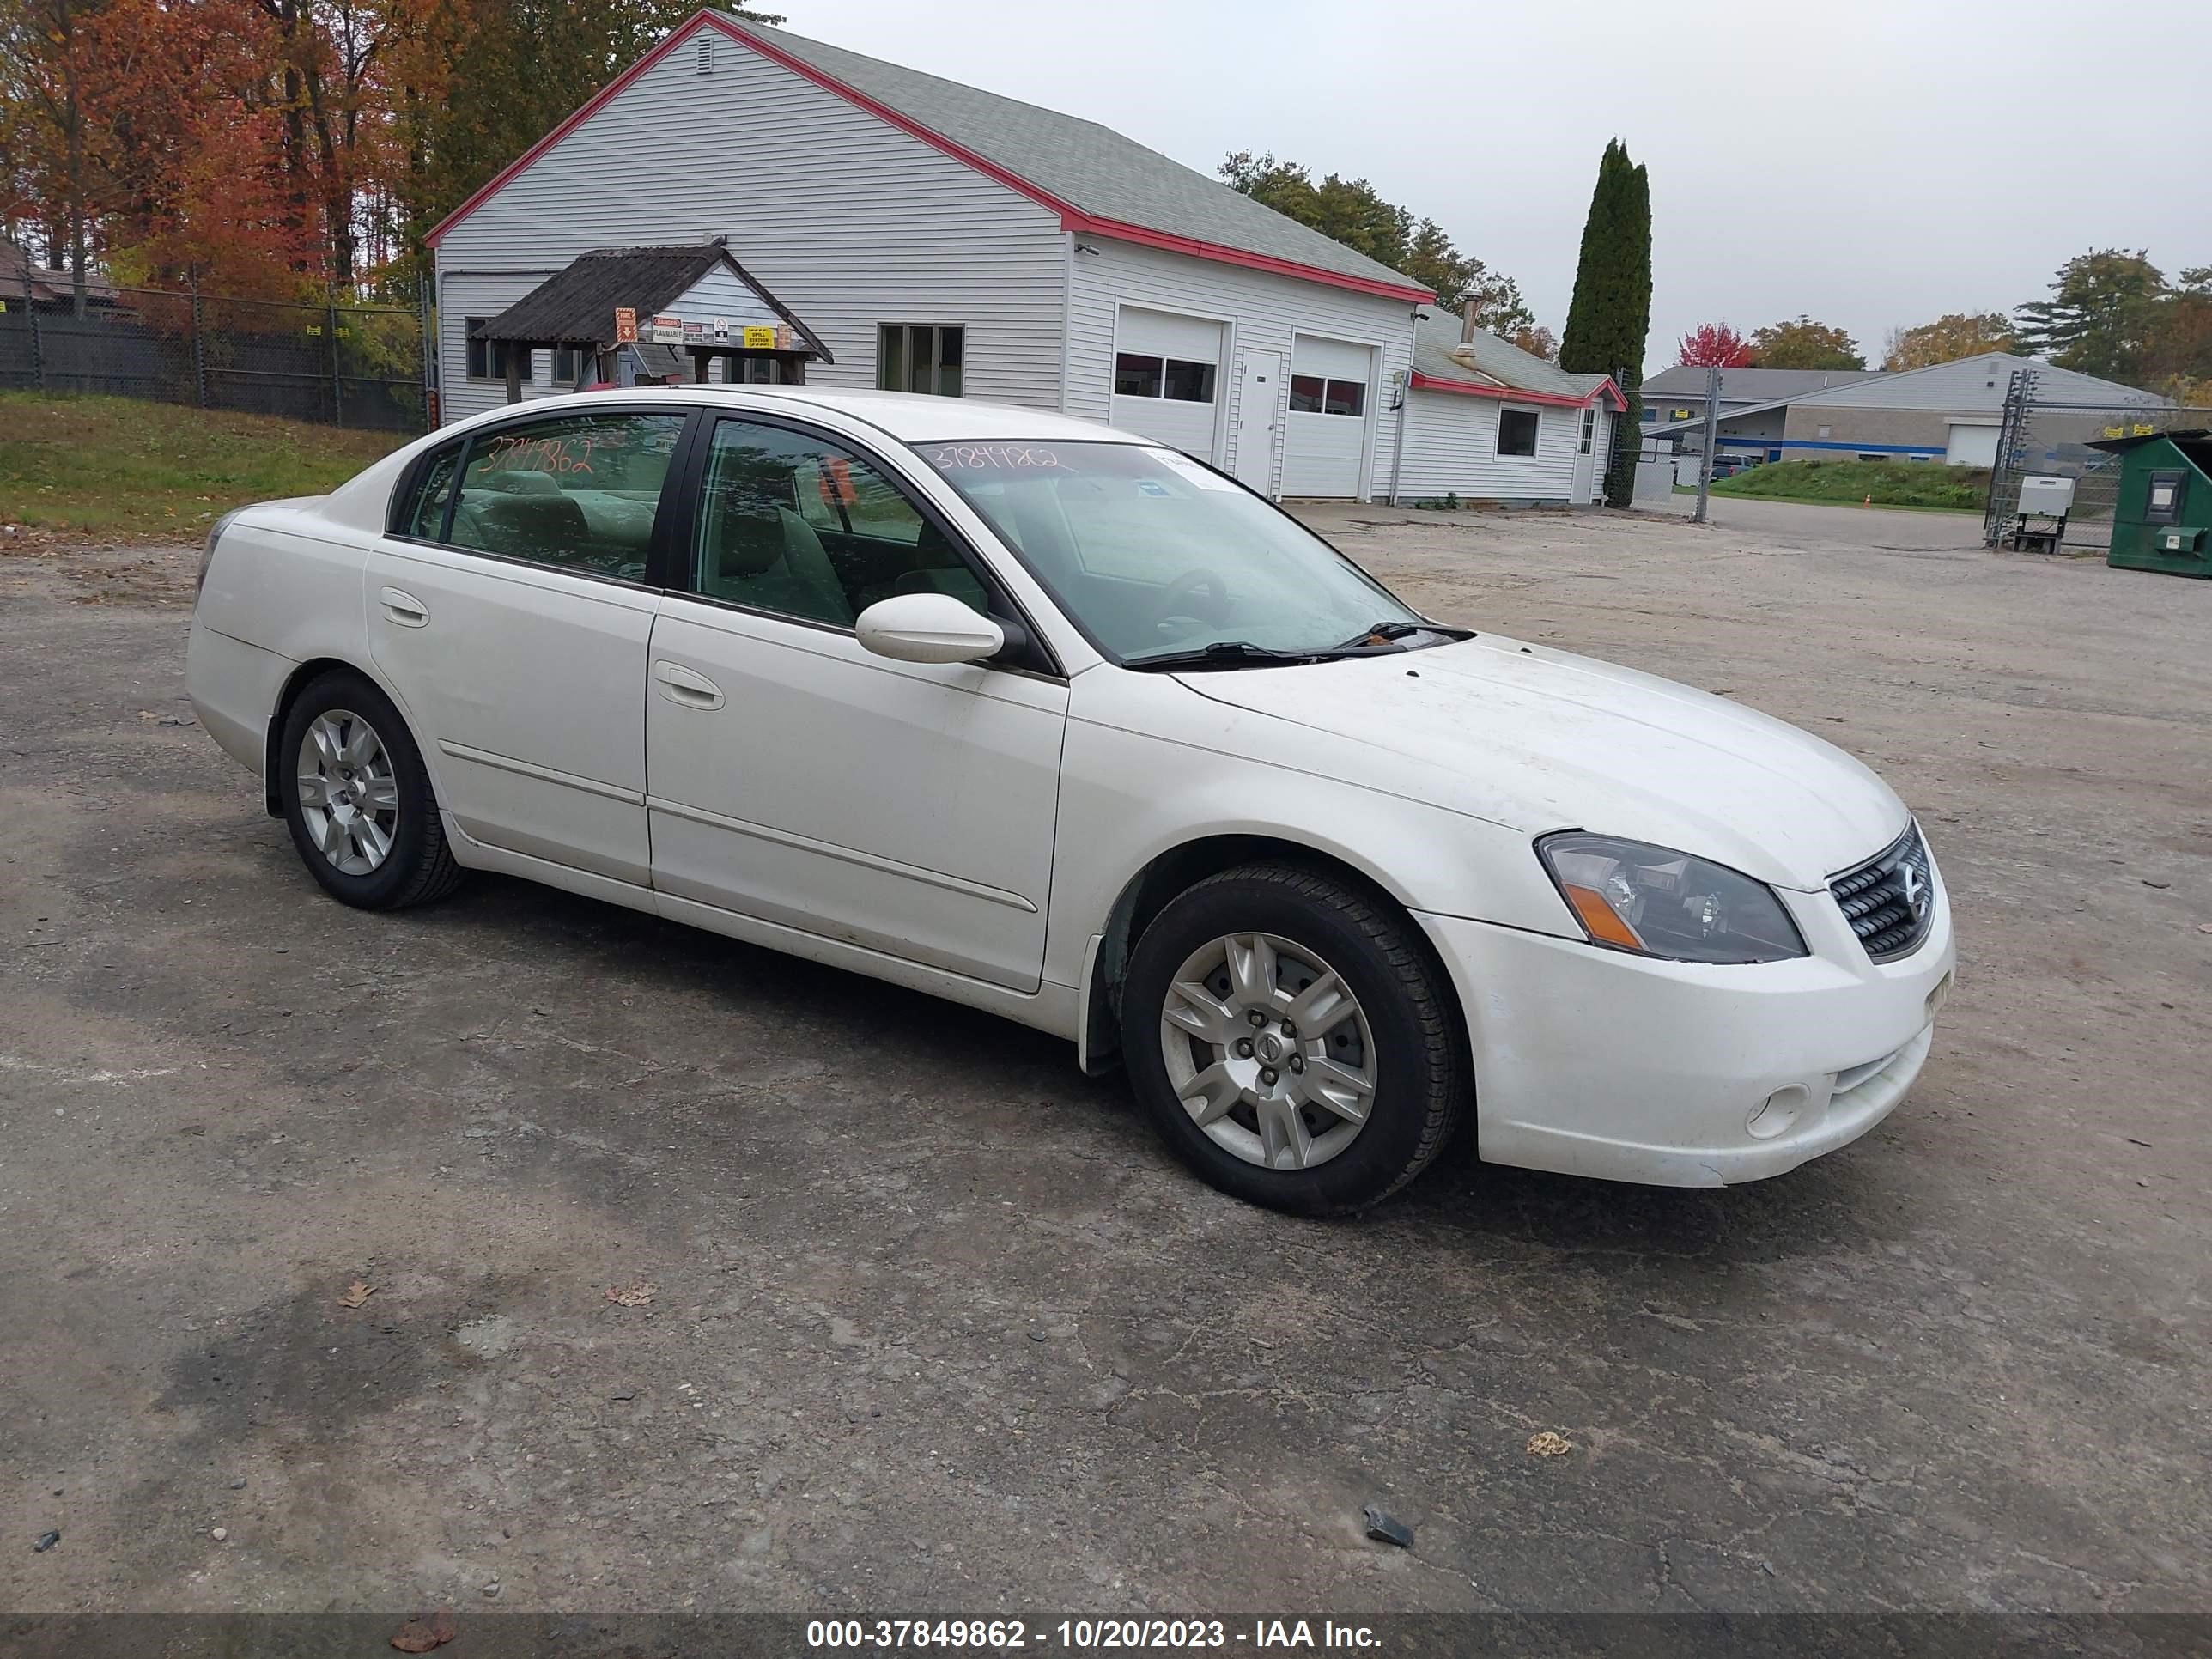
{"points": [[1051, 720]]}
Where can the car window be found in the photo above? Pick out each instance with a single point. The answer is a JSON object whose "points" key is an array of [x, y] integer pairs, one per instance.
{"points": [[423, 513], [1150, 552], [577, 493], [795, 525]]}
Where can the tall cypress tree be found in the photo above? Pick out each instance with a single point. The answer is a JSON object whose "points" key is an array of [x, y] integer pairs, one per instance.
{"points": [[1611, 312]]}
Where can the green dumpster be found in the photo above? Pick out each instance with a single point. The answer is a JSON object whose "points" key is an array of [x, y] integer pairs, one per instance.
{"points": [[2164, 518]]}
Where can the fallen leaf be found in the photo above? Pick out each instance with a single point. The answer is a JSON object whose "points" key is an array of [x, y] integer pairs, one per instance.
{"points": [[420, 1635], [356, 1294], [636, 1297], [1545, 1443]]}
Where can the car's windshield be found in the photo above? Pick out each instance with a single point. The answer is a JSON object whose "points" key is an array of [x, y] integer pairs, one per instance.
{"points": [[1152, 554]]}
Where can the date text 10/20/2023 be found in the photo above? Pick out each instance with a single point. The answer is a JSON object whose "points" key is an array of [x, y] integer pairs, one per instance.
{"points": [[1087, 1635]]}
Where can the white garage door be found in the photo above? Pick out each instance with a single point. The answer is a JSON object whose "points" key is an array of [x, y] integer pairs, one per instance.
{"points": [[1332, 395], [1970, 445], [1167, 373]]}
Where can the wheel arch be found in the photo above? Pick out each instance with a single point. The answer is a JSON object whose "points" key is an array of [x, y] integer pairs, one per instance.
{"points": [[301, 676], [1175, 870]]}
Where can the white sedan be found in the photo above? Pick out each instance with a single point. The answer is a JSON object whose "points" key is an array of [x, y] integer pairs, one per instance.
{"points": [[1048, 720]]}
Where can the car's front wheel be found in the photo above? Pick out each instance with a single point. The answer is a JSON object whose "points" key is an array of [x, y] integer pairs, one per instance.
{"points": [[357, 798], [1292, 1036]]}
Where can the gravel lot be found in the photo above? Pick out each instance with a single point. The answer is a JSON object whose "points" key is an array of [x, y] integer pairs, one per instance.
{"points": [[934, 1324]]}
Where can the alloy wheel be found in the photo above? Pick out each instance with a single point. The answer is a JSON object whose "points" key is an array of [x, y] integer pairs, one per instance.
{"points": [[348, 796], [1268, 1051]]}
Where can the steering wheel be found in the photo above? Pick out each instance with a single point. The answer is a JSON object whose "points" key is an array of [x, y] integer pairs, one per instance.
{"points": [[1201, 595]]}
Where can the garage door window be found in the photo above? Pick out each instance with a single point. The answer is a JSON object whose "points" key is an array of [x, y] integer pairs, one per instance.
{"points": [[1516, 431], [1310, 394], [1175, 378]]}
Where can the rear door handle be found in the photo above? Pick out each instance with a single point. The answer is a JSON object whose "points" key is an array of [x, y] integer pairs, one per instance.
{"points": [[683, 686], [403, 608]]}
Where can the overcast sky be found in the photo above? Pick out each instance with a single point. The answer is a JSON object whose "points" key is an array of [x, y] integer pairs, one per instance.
{"points": [[1873, 165]]}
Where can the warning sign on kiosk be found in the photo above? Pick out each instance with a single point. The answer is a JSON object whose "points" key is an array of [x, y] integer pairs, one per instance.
{"points": [[667, 331], [760, 339], [625, 325]]}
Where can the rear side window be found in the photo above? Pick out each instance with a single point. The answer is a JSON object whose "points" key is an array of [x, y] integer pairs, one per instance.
{"points": [[423, 514], [577, 492]]}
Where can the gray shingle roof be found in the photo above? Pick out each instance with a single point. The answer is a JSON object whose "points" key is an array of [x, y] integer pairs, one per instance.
{"points": [[1090, 168], [576, 306], [1757, 385], [1439, 332]]}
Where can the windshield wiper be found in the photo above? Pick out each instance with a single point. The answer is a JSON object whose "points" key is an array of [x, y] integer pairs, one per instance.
{"points": [[1221, 654], [1396, 630]]}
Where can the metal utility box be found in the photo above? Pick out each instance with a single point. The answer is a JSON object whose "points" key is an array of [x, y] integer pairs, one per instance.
{"points": [[2164, 519], [2039, 526]]}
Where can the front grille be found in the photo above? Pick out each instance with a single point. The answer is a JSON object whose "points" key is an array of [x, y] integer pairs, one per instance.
{"points": [[1891, 900]]}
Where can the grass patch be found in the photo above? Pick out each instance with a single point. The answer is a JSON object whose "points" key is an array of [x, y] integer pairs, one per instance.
{"points": [[1891, 483], [116, 469]]}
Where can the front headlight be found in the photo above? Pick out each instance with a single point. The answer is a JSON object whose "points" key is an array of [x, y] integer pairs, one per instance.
{"points": [[1658, 902], [207, 553]]}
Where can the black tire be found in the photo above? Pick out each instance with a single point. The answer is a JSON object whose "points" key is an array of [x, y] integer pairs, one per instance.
{"points": [[419, 868], [1420, 1075]]}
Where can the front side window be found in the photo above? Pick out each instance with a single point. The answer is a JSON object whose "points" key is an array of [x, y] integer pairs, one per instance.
{"points": [[1516, 431], [920, 357], [1150, 552], [576, 493], [1312, 394], [795, 525]]}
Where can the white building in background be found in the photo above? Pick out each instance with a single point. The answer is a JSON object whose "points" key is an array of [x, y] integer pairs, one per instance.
{"points": [[941, 238]]}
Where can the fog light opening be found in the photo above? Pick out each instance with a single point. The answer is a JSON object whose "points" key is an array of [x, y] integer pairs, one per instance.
{"points": [[1778, 1111]]}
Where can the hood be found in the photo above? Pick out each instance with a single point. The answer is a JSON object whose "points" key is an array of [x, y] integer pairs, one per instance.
{"points": [[1539, 740]]}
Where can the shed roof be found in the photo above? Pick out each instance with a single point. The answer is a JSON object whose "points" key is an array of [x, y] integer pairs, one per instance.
{"points": [[1506, 366], [576, 306]]}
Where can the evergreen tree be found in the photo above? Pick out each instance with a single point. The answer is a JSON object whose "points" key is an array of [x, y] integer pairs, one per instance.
{"points": [[1611, 312]]}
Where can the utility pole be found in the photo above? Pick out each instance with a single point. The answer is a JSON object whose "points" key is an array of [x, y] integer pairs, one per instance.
{"points": [[1712, 436]]}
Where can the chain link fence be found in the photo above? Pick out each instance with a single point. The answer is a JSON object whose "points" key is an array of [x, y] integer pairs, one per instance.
{"points": [[2044, 440], [340, 363]]}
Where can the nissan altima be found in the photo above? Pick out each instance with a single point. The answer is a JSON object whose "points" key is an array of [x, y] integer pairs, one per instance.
{"points": [[1052, 721]]}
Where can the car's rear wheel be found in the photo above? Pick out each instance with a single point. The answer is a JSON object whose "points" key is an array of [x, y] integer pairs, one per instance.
{"points": [[357, 798], [1292, 1036]]}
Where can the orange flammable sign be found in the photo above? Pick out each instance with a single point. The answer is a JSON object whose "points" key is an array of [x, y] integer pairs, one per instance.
{"points": [[625, 325], [835, 482]]}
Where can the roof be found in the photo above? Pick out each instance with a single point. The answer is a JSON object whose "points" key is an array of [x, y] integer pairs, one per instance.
{"points": [[1499, 367], [46, 287], [576, 306], [1759, 386], [909, 417], [1098, 180], [1921, 389]]}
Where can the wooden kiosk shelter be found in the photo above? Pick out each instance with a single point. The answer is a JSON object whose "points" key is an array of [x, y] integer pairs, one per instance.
{"points": [[615, 301]]}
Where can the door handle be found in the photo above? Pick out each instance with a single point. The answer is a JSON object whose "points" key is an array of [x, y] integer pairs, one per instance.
{"points": [[687, 688], [403, 608]]}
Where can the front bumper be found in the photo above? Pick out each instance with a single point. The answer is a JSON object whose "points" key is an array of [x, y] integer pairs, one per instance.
{"points": [[1596, 1062]]}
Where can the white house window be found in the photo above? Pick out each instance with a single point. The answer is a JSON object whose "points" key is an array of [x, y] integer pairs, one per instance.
{"points": [[487, 358], [1175, 378], [1516, 431], [1310, 394], [920, 357], [1590, 430], [568, 363]]}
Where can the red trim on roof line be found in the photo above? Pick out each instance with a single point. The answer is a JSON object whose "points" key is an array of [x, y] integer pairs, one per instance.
{"points": [[1071, 217], [1513, 394]]}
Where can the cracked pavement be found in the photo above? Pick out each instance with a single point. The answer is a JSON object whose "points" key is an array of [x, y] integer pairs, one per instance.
{"points": [[934, 1324]]}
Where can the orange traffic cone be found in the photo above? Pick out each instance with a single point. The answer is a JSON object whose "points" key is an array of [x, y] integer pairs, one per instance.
{"points": [[1868, 501]]}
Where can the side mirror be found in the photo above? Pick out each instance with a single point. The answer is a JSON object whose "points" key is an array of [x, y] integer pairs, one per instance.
{"points": [[928, 628]]}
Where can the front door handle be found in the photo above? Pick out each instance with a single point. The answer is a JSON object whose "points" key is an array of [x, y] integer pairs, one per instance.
{"points": [[686, 687], [403, 608]]}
